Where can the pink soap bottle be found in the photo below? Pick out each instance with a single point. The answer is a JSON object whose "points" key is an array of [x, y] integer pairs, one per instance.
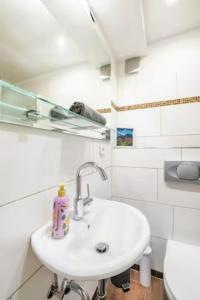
{"points": [[61, 214]]}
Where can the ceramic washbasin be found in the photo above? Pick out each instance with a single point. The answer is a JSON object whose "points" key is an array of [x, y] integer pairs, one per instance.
{"points": [[123, 228]]}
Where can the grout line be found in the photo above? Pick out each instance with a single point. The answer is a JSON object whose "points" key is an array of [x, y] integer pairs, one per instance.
{"points": [[46, 189], [160, 129], [30, 277], [142, 201], [154, 202], [158, 147], [159, 237], [27, 196], [177, 91], [157, 187], [134, 167], [186, 207], [168, 135], [173, 222]]}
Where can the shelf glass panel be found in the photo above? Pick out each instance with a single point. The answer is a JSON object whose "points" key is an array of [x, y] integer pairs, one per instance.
{"points": [[21, 107]]}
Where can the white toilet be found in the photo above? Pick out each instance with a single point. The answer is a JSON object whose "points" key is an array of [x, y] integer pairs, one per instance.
{"points": [[182, 271]]}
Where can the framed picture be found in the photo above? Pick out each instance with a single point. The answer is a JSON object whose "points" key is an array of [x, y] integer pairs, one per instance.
{"points": [[124, 137]]}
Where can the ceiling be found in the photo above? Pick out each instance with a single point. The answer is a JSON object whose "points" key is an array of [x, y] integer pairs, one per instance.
{"points": [[74, 16], [32, 41], [164, 18], [39, 36], [122, 24]]}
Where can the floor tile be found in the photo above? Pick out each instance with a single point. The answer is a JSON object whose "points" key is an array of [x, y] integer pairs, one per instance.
{"points": [[137, 291]]}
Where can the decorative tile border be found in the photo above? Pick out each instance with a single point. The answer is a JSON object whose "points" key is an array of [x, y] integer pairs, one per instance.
{"points": [[114, 106], [159, 103], [151, 104], [104, 110]]}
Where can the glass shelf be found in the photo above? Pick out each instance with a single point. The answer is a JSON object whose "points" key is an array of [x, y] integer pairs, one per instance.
{"points": [[21, 107]]}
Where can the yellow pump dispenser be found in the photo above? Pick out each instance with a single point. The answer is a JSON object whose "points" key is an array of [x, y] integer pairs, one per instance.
{"points": [[62, 191], [61, 214]]}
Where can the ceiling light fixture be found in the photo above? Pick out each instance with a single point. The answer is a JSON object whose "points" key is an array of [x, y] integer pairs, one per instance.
{"points": [[61, 41], [171, 2]]}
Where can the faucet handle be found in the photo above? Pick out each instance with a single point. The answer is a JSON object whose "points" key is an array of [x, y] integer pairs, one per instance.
{"points": [[88, 190], [87, 199]]}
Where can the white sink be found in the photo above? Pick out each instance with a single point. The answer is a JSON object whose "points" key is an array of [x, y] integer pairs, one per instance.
{"points": [[123, 228]]}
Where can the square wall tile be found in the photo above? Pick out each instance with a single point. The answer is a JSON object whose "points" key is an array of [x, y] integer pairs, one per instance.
{"points": [[98, 187], [146, 122], [134, 183], [160, 217], [180, 119], [102, 153], [145, 158], [139, 142], [39, 160], [187, 225], [158, 253], [29, 162], [177, 141], [36, 288], [148, 84], [75, 151], [191, 154], [188, 76], [19, 220], [178, 194]]}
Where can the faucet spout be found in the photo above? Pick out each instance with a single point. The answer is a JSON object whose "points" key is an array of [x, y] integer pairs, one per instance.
{"points": [[78, 201], [101, 172]]}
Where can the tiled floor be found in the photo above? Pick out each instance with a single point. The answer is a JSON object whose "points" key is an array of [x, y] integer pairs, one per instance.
{"points": [[138, 292]]}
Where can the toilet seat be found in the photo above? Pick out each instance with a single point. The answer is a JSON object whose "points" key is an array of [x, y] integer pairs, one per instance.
{"points": [[182, 271]]}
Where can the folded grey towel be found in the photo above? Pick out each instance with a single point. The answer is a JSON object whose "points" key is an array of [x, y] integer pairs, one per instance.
{"points": [[87, 112], [58, 113]]}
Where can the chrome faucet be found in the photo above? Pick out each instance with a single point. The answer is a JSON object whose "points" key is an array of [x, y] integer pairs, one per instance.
{"points": [[79, 202]]}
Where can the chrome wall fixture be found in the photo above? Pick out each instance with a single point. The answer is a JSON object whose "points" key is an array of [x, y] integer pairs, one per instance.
{"points": [[182, 171]]}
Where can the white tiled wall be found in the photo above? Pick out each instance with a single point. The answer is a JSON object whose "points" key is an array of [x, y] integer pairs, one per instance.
{"points": [[161, 134], [173, 209], [138, 120], [32, 163], [158, 252], [42, 280], [187, 225], [129, 183], [79, 82], [146, 158], [174, 119], [179, 194], [170, 70]]}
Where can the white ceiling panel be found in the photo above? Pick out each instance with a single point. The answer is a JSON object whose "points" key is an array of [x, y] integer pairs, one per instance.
{"points": [[75, 17], [164, 18], [39, 36], [32, 41], [122, 24]]}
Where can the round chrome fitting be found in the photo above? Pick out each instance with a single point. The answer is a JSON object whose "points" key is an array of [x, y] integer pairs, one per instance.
{"points": [[102, 247]]}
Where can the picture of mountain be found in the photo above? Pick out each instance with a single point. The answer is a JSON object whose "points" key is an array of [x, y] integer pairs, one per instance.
{"points": [[125, 136]]}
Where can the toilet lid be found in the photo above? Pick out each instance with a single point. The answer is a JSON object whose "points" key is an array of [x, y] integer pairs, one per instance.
{"points": [[182, 270]]}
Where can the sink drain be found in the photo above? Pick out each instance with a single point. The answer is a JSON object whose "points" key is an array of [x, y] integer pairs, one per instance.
{"points": [[101, 247]]}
